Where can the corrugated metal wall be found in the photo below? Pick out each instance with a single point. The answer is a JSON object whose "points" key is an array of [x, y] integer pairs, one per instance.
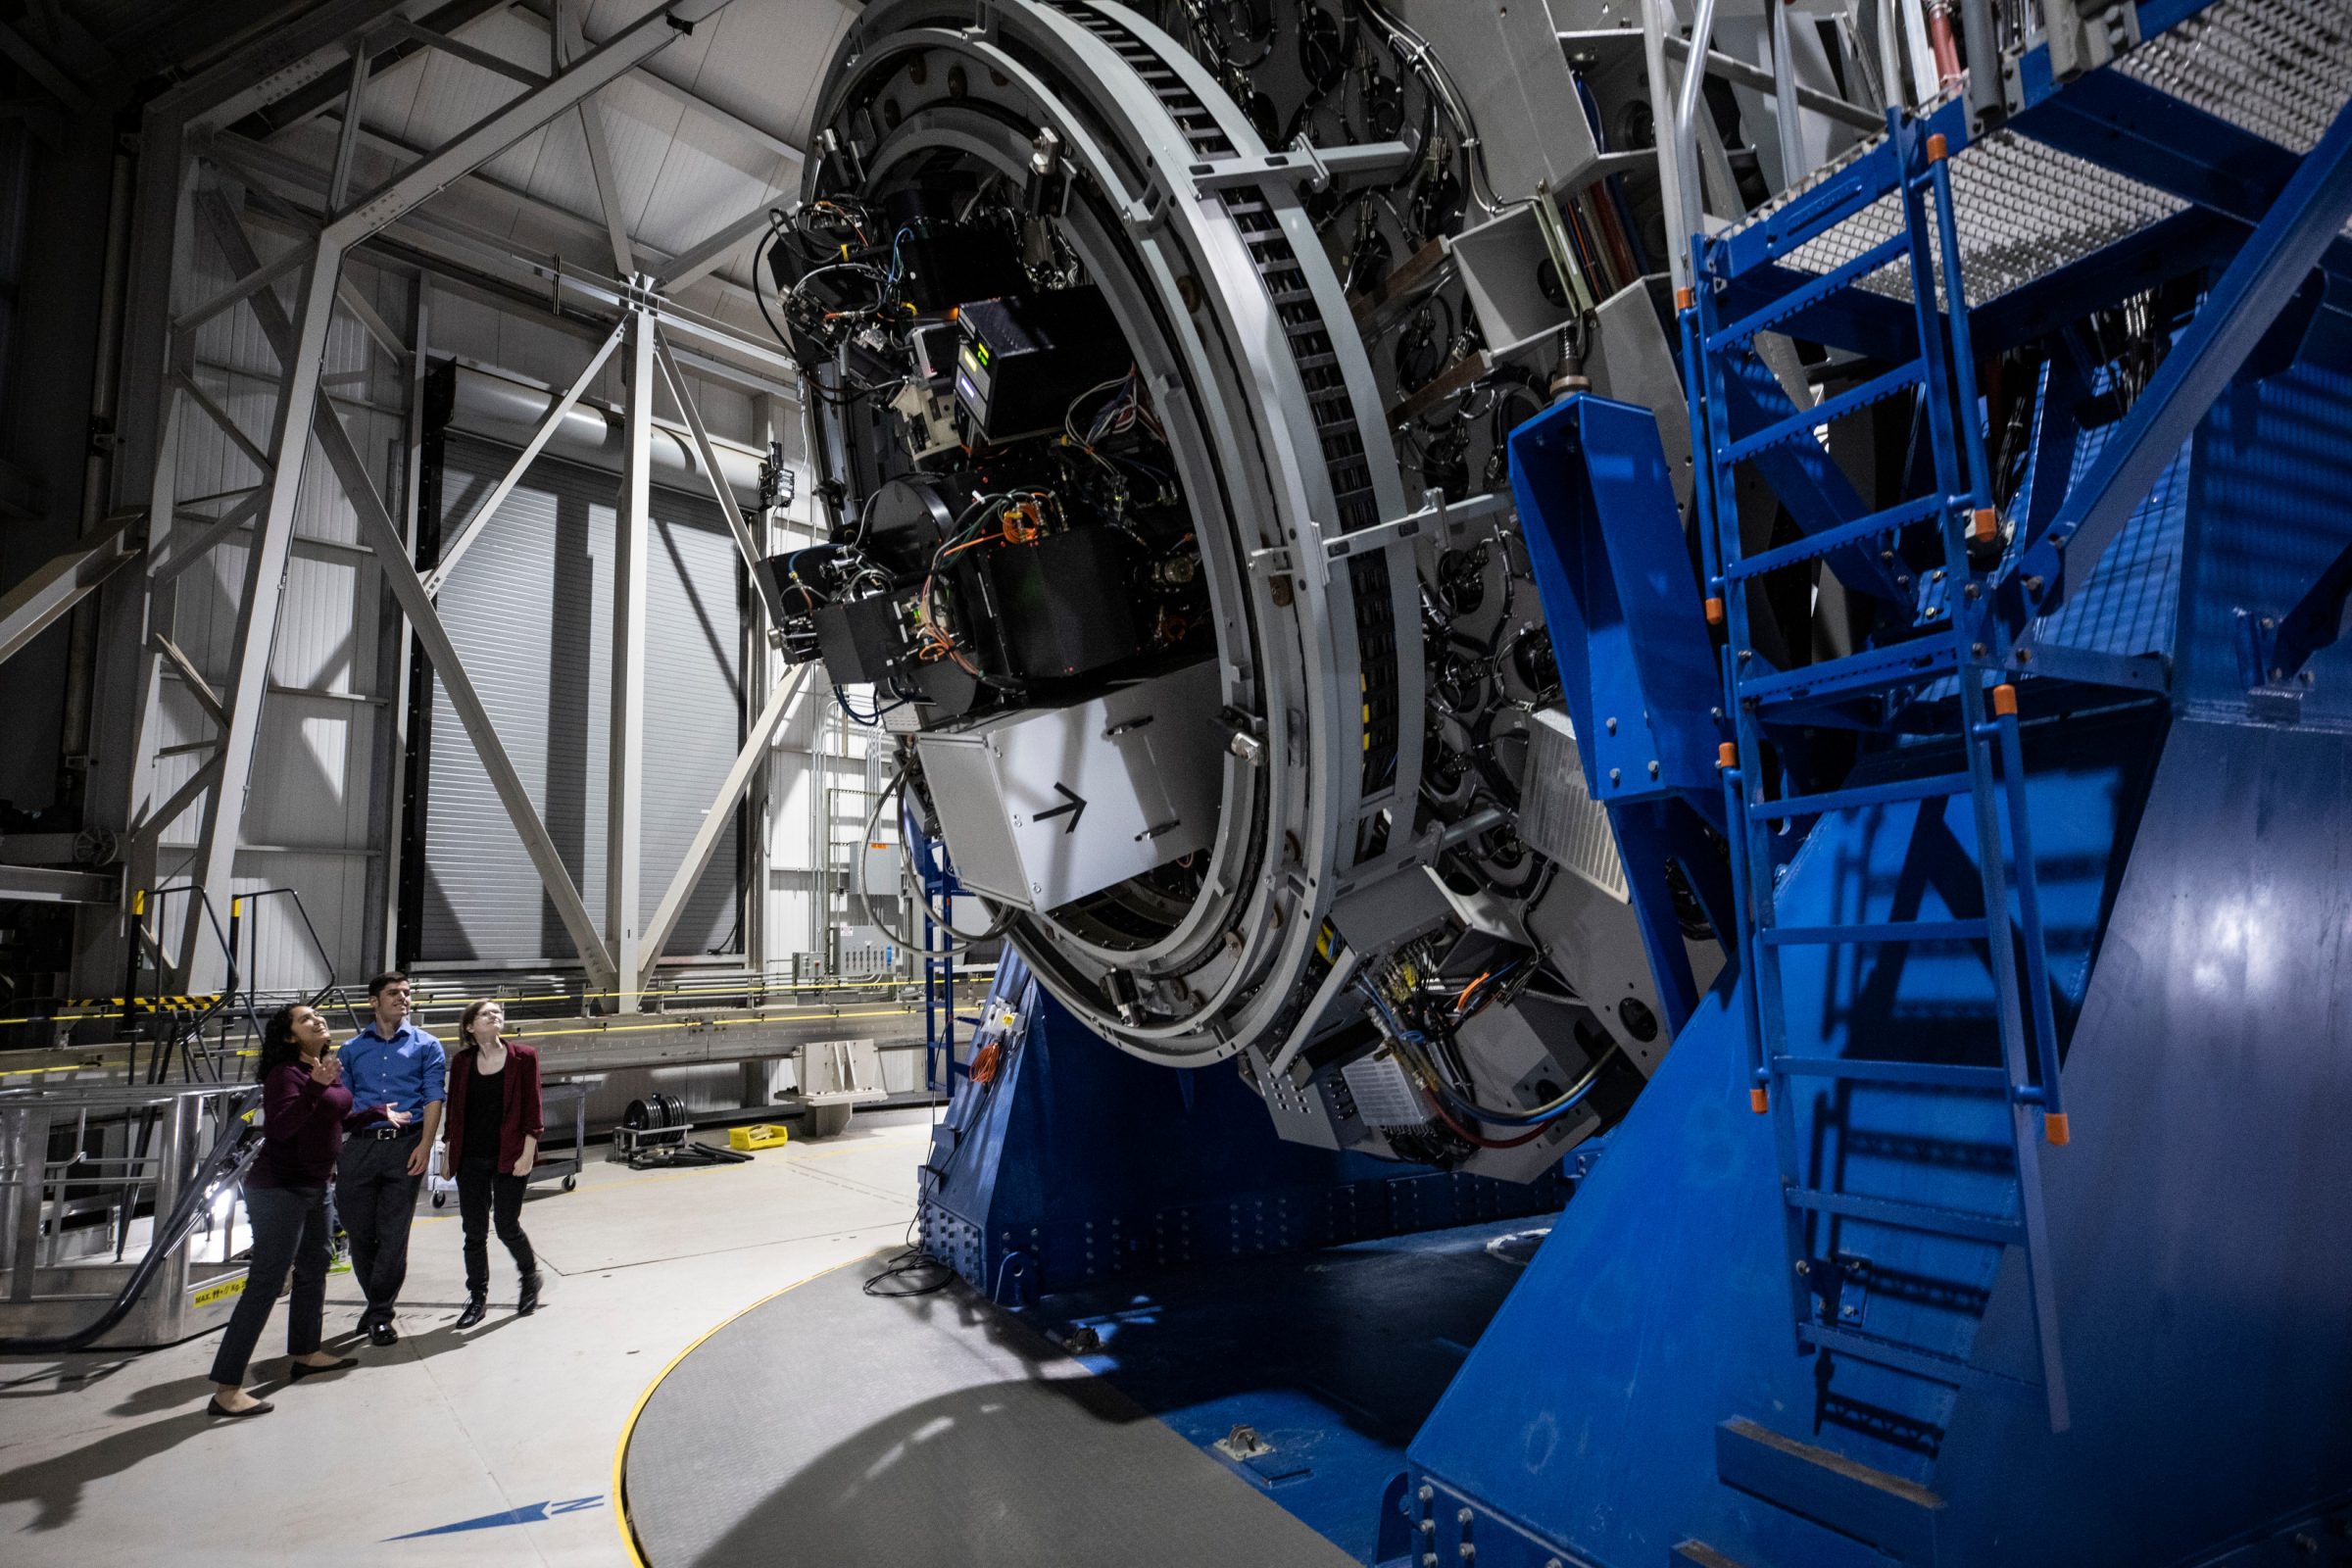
{"points": [[531, 611]]}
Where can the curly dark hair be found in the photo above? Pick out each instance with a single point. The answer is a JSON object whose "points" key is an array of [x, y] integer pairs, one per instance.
{"points": [[279, 1044]]}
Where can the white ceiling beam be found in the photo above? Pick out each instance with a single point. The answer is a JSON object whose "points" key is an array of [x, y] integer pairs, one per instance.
{"points": [[665, 81], [455, 244], [503, 127], [458, 49], [689, 264]]}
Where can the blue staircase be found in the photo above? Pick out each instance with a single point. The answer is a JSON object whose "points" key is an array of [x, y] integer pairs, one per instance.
{"points": [[1920, 675]]}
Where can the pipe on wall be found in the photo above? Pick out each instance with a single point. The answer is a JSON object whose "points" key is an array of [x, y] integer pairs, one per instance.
{"points": [[499, 407]]}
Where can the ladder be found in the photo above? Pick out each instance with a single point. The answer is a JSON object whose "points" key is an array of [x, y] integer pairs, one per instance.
{"points": [[1902, 674]]}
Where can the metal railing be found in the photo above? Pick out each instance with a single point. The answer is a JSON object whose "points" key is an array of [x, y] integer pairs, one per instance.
{"points": [[1678, 151], [80, 1166]]}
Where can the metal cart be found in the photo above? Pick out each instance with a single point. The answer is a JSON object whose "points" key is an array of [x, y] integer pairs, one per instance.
{"points": [[555, 1162]]}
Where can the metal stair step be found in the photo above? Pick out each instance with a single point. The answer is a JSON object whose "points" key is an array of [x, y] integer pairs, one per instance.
{"points": [[1926, 1218], [1910, 1358], [1861, 795], [1842, 190], [1875, 1069], [1877, 670], [1896, 519], [1810, 294], [1822, 936], [1803, 423]]}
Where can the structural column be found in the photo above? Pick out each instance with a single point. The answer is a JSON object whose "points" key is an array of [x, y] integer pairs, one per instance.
{"points": [[624, 798], [207, 966]]}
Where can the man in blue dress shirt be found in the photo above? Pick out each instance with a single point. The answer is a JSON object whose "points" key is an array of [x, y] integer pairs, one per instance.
{"points": [[397, 1074]]}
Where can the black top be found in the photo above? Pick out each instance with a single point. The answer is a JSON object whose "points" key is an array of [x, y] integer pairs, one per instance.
{"points": [[485, 1109]]}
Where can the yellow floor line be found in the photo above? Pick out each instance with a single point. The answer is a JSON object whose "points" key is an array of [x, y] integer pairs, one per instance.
{"points": [[628, 1428]]}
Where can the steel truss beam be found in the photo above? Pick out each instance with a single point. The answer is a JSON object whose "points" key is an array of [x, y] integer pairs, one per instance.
{"points": [[300, 93], [689, 266], [455, 548], [456, 250], [385, 537], [313, 62], [747, 762], [753, 556], [679, 93], [243, 288], [192, 678], [501, 129], [299, 407], [496, 64], [566, 43], [192, 542], [189, 388], [44, 598]]}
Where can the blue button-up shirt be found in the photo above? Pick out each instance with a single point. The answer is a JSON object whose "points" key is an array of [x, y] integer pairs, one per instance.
{"points": [[408, 1071]]}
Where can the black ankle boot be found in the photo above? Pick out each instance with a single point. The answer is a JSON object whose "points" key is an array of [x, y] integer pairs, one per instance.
{"points": [[528, 1301], [477, 1308]]}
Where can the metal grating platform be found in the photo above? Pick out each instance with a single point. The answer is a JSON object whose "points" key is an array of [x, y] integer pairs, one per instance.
{"points": [[2277, 68], [2024, 212], [2280, 69]]}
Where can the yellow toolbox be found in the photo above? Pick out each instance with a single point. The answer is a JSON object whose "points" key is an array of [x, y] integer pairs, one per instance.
{"points": [[766, 1135]]}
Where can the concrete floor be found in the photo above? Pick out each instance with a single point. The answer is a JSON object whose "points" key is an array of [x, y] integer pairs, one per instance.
{"points": [[108, 1458]]}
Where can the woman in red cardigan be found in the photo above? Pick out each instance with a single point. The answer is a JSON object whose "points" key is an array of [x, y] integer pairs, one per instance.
{"points": [[493, 1129]]}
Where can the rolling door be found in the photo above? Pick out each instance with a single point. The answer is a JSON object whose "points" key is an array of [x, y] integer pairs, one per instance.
{"points": [[531, 611]]}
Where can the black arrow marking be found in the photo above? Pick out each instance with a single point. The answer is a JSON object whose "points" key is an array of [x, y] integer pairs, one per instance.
{"points": [[1074, 810]]}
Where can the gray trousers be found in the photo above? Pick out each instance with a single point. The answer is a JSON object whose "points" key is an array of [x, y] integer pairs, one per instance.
{"points": [[377, 1198], [289, 1231]]}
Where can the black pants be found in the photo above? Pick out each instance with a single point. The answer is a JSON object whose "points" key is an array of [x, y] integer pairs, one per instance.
{"points": [[484, 1188], [289, 1231], [378, 1198]]}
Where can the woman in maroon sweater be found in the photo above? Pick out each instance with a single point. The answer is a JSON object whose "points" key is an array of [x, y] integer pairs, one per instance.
{"points": [[494, 1125], [303, 1106]]}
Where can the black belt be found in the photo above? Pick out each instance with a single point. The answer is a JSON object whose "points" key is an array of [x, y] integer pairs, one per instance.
{"points": [[383, 1131]]}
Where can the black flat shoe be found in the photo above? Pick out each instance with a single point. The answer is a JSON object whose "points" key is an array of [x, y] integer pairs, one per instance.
{"points": [[382, 1335], [212, 1410], [476, 1308], [305, 1369], [528, 1301]]}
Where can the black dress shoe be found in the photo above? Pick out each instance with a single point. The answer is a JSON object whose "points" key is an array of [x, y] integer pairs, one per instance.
{"points": [[527, 1301], [212, 1410], [306, 1369], [476, 1308], [382, 1335]]}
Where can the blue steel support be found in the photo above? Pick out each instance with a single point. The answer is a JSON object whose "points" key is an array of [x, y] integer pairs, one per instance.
{"points": [[1963, 351], [2255, 287], [940, 887], [1634, 1397], [1635, 1401], [2316, 622], [1612, 565], [1064, 1161]]}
